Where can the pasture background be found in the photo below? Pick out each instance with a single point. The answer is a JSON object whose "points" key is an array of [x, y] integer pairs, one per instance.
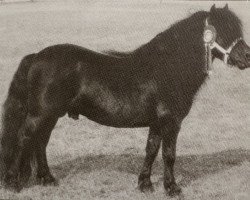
{"points": [[97, 162]]}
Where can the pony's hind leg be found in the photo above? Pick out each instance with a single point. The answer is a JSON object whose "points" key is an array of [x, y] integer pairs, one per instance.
{"points": [[152, 149], [26, 135], [25, 166], [44, 175], [23, 143]]}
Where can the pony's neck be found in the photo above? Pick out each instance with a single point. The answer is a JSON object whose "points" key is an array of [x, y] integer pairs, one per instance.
{"points": [[177, 54]]}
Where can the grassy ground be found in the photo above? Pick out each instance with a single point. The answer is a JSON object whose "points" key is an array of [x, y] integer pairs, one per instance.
{"points": [[97, 162]]}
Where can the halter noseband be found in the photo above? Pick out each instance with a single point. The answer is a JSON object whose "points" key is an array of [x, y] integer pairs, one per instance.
{"points": [[209, 37]]}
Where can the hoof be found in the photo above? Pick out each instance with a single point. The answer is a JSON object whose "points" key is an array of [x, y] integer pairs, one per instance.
{"points": [[16, 188], [47, 180], [174, 190], [11, 183], [145, 186]]}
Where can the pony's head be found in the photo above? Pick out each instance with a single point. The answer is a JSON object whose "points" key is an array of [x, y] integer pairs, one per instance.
{"points": [[228, 43]]}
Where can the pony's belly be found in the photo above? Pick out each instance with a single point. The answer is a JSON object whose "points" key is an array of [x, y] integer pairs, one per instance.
{"points": [[118, 121], [124, 115]]}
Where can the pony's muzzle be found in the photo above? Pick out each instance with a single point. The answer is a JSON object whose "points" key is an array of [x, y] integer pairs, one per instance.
{"points": [[240, 55]]}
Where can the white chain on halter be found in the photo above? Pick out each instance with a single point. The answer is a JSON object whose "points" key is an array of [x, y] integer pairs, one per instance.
{"points": [[209, 38]]}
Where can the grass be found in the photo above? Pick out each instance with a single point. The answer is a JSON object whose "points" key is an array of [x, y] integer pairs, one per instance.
{"points": [[98, 162]]}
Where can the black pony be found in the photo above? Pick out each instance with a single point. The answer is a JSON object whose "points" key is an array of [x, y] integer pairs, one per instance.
{"points": [[153, 86]]}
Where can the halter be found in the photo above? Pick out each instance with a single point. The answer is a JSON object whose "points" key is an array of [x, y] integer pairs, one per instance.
{"points": [[209, 37]]}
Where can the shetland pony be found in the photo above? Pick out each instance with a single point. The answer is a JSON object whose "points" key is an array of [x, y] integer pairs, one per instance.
{"points": [[153, 86]]}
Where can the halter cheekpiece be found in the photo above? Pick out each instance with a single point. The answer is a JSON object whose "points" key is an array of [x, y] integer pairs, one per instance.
{"points": [[209, 38]]}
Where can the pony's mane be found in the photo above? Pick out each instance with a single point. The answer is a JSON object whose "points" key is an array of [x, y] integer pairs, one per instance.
{"points": [[182, 35], [165, 38]]}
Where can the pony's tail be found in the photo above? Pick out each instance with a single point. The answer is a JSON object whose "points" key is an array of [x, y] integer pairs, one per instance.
{"points": [[14, 114]]}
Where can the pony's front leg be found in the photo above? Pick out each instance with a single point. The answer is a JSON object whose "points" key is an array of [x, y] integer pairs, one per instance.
{"points": [[152, 149], [169, 138]]}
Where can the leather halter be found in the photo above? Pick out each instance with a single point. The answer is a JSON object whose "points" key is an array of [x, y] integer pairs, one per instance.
{"points": [[209, 37]]}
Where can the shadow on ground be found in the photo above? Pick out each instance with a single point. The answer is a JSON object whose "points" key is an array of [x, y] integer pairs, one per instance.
{"points": [[190, 167]]}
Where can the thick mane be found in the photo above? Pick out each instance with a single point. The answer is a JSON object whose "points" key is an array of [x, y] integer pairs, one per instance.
{"points": [[186, 35], [180, 38], [181, 34]]}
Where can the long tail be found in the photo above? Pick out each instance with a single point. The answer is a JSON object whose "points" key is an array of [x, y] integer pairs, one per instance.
{"points": [[14, 113]]}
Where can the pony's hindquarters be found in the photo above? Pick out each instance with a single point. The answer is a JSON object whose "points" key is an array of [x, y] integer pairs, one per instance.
{"points": [[14, 114], [39, 94]]}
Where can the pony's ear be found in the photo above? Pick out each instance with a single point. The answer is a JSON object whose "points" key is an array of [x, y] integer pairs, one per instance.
{"points": [[226, 7], [212, 9]]}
